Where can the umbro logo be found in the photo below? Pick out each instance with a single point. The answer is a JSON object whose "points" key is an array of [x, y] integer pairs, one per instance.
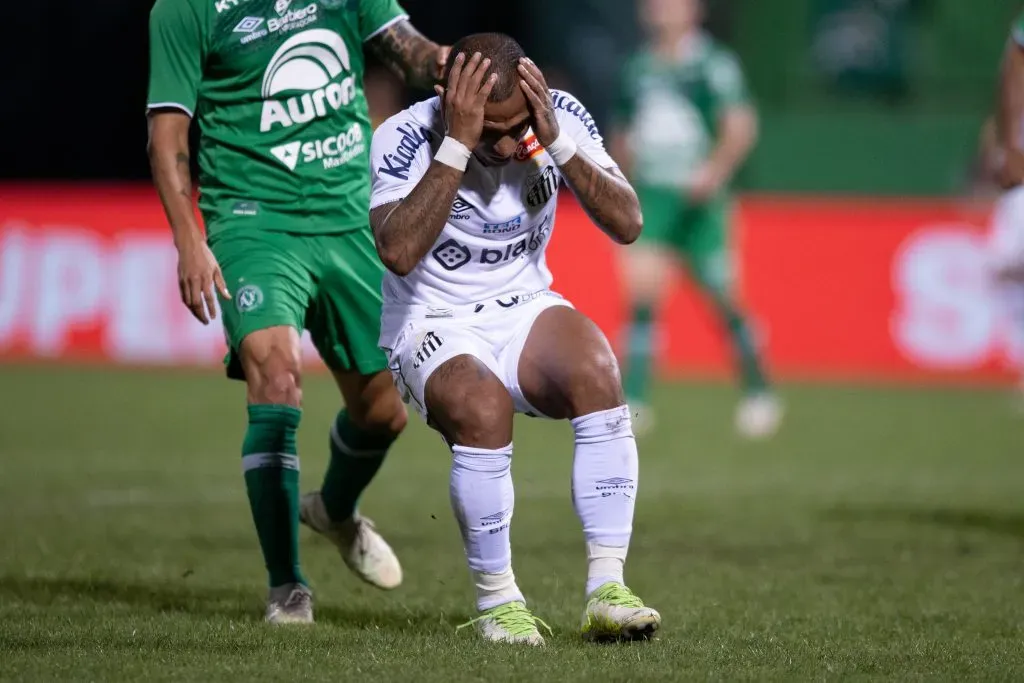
{"points": [[248, 25], [615, 481], [460, 209], [496, 518]]}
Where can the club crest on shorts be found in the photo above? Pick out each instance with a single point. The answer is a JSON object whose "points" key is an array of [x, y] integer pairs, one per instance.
{"points": [[248, 298]]}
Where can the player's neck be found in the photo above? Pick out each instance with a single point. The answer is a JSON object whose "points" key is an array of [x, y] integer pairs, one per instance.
{"points": [[673, 43]]}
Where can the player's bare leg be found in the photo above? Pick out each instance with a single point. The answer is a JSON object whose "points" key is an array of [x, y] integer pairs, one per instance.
{"points": [[362, 432], [471, 408], [567, 370], [271, 359], [647, 270]]}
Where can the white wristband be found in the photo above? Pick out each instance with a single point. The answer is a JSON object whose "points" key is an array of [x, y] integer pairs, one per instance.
{"points": [[562, 149], [453, 153]]}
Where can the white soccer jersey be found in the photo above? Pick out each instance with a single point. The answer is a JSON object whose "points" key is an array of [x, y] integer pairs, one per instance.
{"points": [[499, 225]]}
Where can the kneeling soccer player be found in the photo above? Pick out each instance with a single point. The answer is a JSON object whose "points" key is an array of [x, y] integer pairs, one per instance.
{"points": [[462, 206]]}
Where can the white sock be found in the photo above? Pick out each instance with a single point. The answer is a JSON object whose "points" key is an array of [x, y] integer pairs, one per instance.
{"points": [[482, 498], [604, 485]]}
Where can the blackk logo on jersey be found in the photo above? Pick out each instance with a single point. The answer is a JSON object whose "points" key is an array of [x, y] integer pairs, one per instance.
{"points": [[451, 255], [431, 343], [541, 186], [398, 162], [571, 105], [460, 209]]}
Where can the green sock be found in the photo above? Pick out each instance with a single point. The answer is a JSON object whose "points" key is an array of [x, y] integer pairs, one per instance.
{"points": [[271, 466], [639, 354], [752, 376], [356, 455]]}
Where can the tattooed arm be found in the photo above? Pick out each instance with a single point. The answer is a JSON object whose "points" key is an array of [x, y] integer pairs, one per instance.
{"points": [[606, 196], [169, 162], [405, 230], [604, 192], [409, 54], [198, 272]]}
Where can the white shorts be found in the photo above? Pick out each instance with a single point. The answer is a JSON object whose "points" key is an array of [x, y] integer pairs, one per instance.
{"points": [[1006, 236], [418, 339]]}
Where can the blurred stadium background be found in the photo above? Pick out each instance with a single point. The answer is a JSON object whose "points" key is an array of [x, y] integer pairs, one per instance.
{"points": [[880, 534]]}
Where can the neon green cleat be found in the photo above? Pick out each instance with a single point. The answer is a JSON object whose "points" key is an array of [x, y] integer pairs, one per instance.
{"points": [[509, 623], [614, 613]]}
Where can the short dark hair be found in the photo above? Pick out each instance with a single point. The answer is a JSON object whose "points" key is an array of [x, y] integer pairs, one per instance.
{"points": [[504, 53]]}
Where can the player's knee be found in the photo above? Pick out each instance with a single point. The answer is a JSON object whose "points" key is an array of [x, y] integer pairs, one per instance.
{"points": [[382, 413], [594, 385], [480, 419], [275, 378]]}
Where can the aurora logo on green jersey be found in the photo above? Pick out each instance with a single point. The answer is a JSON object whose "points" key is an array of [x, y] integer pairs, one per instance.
{"points": [[307, 62]]}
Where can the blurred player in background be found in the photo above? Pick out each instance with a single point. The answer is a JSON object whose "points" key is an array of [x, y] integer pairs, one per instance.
{"points": [[685, 126], [465, 188], [1002, 149], [384, 94], [283, 158]]}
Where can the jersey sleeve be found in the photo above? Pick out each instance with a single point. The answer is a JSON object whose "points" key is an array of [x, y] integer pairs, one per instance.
{"points": [[1017, 32], [574, 119], [376, 16], [176, 56], [399, 156], [726, 80]]}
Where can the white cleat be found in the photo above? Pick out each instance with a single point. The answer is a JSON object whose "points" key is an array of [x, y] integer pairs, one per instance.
{"points": [[363, 550], [759, 416], [614, 612], [511, 623], [291, 603]]}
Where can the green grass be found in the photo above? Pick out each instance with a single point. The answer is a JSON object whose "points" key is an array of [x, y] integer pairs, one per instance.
{"points": [[880, 536]]}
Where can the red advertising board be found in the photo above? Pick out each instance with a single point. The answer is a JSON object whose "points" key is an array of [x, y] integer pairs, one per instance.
{"points": [[838, 288]]}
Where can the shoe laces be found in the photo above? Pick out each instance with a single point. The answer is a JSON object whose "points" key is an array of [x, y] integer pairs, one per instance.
{"points": [[513, 617], [617, 595], [298, 598]]}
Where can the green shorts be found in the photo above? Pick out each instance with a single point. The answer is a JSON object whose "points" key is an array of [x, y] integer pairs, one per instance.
{"points": [[699, 234], [328, 284]]}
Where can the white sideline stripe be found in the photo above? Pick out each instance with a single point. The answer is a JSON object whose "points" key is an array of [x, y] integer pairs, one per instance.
{"points": [[348, 450], [385, 26], [284, 461], [169, 105]]}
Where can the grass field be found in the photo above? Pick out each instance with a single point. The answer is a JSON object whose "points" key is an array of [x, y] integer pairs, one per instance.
{"points": [[881, 535]]}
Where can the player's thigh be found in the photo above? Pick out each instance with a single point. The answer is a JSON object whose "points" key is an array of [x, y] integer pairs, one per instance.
{"points": [[271, 285], [449, 374], [344, 320], [567, 367], [648, 265], [372, 400], [708, 250]]}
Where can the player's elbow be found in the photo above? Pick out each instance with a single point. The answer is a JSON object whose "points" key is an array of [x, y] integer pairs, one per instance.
{"points": [[394, 258], [632, 225]]}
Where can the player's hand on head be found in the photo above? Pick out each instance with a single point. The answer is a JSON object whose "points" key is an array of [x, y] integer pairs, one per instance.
{"points": [[440, 60], [538, 97], [199, 276], [465, 97]]}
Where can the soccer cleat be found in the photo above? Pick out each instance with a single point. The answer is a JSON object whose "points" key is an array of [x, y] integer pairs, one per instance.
{"points": [[363, 550], [614, 613], [291, 603], [512, 623], [759, 416]]}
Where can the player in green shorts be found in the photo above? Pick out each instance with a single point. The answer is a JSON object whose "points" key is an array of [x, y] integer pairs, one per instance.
{"points": [[276, 87], [685, 125]]}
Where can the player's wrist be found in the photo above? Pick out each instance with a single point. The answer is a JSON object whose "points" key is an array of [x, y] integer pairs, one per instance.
{"points": [[563, 148], [453, 153]]}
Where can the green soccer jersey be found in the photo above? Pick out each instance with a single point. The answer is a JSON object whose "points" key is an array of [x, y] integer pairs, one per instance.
{"points": [[670, 109], [276, 86]]}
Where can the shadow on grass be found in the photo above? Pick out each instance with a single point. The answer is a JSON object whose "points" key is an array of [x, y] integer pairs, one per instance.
{"points": [[231, 603], [1003, 523]]}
